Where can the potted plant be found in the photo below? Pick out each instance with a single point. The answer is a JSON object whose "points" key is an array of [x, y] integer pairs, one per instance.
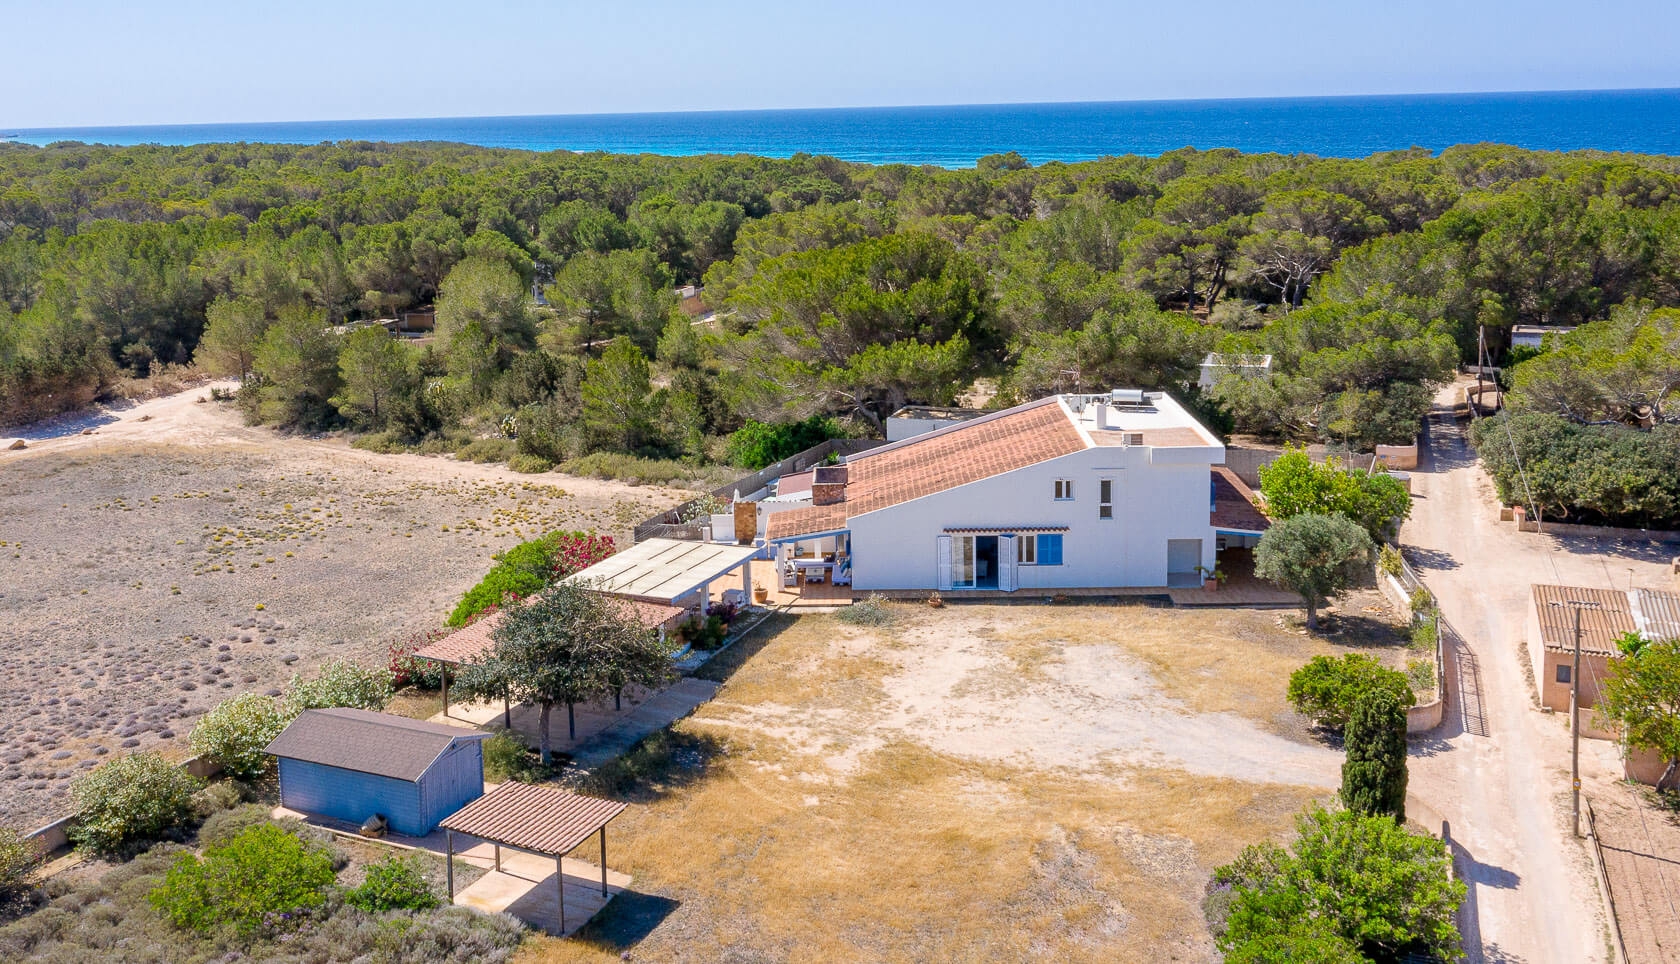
{"points": [[761, 594], [1211, 578], [934, 600]]}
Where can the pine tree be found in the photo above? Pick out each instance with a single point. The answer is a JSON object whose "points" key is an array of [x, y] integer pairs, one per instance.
{"points": [[1374, 773]]}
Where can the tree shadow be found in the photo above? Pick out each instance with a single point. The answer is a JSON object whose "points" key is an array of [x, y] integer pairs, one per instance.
{"points": [[1435, 560], [660, 764], [727, 661], [1476, 874]]}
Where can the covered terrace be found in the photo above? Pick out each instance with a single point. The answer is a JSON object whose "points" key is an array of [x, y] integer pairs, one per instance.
{"points": [[536, 883], [670, 572]]}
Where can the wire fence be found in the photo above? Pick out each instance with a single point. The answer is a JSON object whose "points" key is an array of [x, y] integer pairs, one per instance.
{"points": [[1604, 881]]}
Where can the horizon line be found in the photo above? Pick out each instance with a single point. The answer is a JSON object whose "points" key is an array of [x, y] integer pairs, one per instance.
{"points": [[5, 130]]}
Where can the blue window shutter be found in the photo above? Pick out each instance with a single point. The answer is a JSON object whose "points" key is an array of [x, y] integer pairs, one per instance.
{"points": [[1049, 549]]}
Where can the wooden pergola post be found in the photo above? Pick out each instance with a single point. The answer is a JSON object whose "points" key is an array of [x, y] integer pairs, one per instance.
{"points": [[560, 889], [449, 862], [603, 860], [444, 671]]}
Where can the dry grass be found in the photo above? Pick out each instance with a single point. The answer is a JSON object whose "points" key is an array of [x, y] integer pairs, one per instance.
{"points": [[791, 818]]}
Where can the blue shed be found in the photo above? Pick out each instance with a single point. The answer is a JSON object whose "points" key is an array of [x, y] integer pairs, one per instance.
{"points": [[351, 764]]}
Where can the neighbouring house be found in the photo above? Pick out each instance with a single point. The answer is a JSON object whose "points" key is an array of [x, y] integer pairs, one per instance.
{"points": [[914, 420], [1216, 366], [1606, 616], [1119, 490], [418, 320], [1533, 336], [351, 764], [690, 302]]}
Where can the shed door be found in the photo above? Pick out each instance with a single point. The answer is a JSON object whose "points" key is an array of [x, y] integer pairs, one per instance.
{"points": [[1006, 562], [944, 563]]}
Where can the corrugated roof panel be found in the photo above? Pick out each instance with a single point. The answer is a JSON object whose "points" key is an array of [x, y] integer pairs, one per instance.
{"points": [[544, 820]]}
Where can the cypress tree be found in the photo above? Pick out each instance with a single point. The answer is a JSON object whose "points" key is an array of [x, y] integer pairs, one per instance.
{"points": [[1374, 773]]}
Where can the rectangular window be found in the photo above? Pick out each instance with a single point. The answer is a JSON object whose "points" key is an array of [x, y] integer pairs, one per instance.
{"points": [[1026, 550], [1049, 549], [1563, 673], [1105, 499], [1064, 490]]}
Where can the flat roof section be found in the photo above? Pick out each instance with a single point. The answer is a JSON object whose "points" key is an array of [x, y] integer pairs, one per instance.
{"points": [[663, 570]]}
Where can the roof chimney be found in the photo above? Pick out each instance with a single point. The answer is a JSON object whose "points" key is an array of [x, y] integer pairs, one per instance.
{"points": [[1102, 414], [828, 485]]}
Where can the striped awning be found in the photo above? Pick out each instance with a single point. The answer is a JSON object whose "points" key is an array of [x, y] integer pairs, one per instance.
{"points": [[538, 819], [1004, 530]]}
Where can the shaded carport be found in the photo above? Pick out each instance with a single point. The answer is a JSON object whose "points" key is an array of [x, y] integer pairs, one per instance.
{"points": [[545, 822], [669, 571]]}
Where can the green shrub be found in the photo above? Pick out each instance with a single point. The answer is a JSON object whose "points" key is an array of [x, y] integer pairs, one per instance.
{"points": [[530, 464], [870, 612], [1327, 688], [1390, 562], [628, 468], [236, 731], [505, 756], [495, 588], [222, 827], [486, 450], [219, 796], [396, 883], [262, 879], [18, 859], [1424, 628], [1420, 675], [132, 799], [528, 567], [340, 683], [1374, 771], [385, 443], [758, 444]]}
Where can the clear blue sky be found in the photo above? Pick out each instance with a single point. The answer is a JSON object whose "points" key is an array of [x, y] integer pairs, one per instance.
{"points": [[98, 62]]}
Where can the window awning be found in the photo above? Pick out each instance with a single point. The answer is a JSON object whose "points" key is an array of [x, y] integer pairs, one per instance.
{"points": [[1004, 530]]}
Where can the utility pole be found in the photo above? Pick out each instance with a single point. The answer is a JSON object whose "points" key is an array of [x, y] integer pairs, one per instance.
{"points": [[1575, 714]]}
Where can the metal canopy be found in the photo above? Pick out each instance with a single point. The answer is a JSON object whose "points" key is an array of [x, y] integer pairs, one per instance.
{"points": [[663, 570]]}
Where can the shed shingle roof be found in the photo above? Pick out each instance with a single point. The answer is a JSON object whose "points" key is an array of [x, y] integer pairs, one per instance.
{"points": [[544, 820], [925, 465], [368, 742]]}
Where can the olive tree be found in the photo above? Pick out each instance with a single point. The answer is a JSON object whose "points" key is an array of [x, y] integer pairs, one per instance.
{"points": [[1316, 556], [1642, 693]]}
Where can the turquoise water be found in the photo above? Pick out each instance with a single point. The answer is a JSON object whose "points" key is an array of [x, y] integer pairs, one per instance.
{"points": [[1640, 121]]}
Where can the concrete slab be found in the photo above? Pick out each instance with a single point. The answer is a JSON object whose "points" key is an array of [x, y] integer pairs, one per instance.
{"points": [[525, 888]]}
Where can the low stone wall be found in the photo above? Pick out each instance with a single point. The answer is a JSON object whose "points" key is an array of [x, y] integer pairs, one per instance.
{"points": [[55, 836], [1422, 719], [1602, 532]]}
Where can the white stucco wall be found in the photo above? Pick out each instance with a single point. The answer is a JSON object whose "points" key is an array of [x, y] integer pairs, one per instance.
{"points": [[1159, 494]]}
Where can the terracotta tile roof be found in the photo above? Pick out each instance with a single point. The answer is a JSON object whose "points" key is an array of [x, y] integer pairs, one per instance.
{"points": [[464, 644], [544, 820], [367, 742], [1233, 504], [921, 466], [1601, 625]]}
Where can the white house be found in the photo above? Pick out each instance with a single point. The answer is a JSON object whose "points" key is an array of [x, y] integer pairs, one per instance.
{"points": [[1120, 490], [1216, 366]]}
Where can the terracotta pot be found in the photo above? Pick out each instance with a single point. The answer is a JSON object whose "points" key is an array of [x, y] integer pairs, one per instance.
{"points": [[1211, 585], [761, 594]]}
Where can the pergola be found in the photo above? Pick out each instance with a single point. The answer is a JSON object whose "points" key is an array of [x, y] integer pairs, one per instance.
{"points": [[668, 571], [539, 820], [472, 641]]}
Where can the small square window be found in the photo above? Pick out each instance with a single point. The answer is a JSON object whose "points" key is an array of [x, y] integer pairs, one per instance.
{"points": [[1563, 673], [1064, 490], [1026, 550]]}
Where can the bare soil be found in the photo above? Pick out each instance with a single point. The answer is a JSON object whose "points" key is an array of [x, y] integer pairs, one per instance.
{"points": [[978, 782], [176, 557]]}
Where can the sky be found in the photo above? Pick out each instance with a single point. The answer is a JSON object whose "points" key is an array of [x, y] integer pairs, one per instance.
{"points": [[67, 63]]}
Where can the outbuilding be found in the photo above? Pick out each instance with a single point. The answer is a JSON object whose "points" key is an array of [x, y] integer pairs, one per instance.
{"points": [[353, 764]]}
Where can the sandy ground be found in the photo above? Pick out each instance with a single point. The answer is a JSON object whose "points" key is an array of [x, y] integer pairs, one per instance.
{"points": [[177, 557], [1498, 769], [978, 782]]}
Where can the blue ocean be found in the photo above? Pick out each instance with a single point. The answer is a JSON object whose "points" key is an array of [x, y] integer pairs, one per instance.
{"points": [[1639, 121]]}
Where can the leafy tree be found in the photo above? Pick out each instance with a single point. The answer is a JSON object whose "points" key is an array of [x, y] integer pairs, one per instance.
{"points": [[1641, 694], [618, 293], [1317, 556], [231, 334], [618, 402], [1583, 473], [1294, 485], [373, 369], [237, 731], [133, 799], [1374, 773], [1328, 689], [566, 646], [297, 370], [1360, 878], [487, 293], [264, 878], [757, 444], [1625, 369], [339, 683]]}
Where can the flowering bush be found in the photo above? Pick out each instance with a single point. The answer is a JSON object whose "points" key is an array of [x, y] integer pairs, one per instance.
{"points": [[407, 669], [262, 879], [577, 551], [236, 731], [131, 799]]}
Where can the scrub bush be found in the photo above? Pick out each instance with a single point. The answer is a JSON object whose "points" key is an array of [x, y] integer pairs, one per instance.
{"points": [[1327, 688], [396, 883], [18, 859], [137, 798], [236, 731], [340, 683], [262, 879]]}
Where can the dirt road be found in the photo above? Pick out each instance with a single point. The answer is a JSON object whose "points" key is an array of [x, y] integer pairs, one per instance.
{"points": [[1498, 769]]}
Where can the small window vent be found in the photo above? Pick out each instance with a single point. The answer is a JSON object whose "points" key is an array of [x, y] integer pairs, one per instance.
{"points": [[1131, 438]]}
